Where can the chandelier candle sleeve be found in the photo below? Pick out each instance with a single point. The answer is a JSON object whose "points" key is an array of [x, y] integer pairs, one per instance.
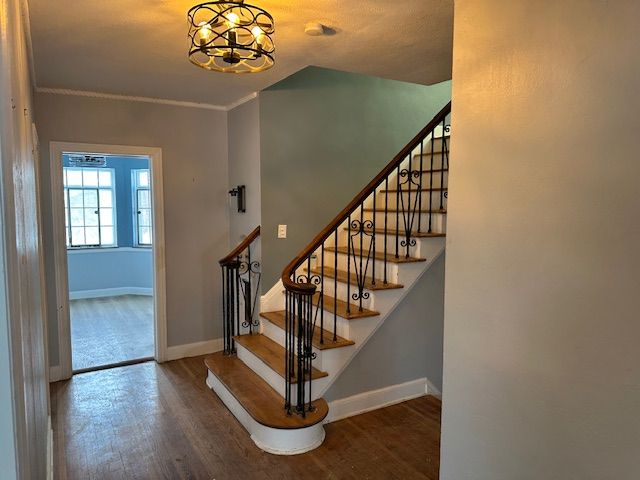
{"points": [[231, 37]]}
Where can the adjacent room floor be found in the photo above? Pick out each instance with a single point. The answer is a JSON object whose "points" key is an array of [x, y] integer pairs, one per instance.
{"points": [[111, 330], [150, 421]]}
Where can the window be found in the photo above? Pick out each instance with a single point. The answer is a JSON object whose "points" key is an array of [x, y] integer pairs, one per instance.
{"points": [[142, 207], [89, 204]]}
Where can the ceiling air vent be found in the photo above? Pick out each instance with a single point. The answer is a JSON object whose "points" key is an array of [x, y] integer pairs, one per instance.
{"points": [[87, 161]]}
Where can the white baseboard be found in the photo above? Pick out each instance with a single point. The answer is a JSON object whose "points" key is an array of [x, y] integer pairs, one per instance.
{"points": [[55, 373], [110, 292], [194, 349], [374, 399]]}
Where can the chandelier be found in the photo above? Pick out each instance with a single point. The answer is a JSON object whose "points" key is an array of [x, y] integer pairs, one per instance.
{"points": [[232, 37]]}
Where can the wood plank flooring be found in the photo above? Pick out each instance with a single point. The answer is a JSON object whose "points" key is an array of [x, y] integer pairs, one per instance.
{"points": [[150, 421]]}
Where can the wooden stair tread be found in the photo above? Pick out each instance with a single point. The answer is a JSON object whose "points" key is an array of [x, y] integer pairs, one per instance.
{"points": [[381, 210], [272, 354], [255, 395], [278, 319], [342, 277], [391, 258], [341, 308], [391, 231], [413, 190]]}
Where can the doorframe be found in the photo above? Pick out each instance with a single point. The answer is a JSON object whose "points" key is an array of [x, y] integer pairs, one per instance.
{"points": [[56, 149]]}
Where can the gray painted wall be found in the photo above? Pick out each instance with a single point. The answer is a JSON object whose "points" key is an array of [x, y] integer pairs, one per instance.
{"points": [[324, 135], [407, 346], [194, 152], [542, 364], [244, 167]]}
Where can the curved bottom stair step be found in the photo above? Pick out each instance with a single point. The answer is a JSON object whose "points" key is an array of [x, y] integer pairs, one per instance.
{"points": [[260, 401], [278, 319], [260, 410]]}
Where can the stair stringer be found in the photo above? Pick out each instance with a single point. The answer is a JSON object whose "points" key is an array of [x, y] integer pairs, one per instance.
{"points": [[335, 361]]}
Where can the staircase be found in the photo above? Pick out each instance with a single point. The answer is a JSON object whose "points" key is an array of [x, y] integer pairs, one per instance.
{"points": [[331, 298]]}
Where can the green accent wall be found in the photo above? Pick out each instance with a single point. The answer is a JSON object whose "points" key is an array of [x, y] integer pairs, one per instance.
{"points": [[324, 134]]}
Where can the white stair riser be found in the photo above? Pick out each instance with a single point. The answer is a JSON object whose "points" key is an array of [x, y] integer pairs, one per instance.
{"points": [[438, 161], [393, 200], [269, 375], [438, 221], [392, 268], [325, 359]]}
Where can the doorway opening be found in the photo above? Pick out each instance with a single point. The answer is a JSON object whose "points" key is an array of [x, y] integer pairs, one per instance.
{"points": [[109, 237], [109, 263]]}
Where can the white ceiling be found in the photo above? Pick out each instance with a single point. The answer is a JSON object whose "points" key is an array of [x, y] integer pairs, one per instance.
{"points": [[138, 48]]}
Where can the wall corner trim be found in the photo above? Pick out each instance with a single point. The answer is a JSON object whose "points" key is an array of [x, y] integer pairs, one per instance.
{"points": [[375, 399], [176, 352]]}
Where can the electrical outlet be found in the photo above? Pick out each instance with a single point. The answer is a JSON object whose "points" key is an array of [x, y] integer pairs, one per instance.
{"points": [[282, 231]]}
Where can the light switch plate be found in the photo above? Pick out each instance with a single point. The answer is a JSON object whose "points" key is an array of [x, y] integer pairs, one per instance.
{"points": [[282, 231]]}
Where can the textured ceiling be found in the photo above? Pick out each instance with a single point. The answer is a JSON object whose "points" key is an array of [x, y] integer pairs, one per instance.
{"points": [[138, 48]]}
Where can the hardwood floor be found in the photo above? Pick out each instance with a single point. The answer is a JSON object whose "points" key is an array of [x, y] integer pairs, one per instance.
{"points": [[150, 421], [110, 330]]}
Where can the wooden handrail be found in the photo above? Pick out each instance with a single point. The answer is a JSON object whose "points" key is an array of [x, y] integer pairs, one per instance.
{"points": [[241, 247], [289, 270]]}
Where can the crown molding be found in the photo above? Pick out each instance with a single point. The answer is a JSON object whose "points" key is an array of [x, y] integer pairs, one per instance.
{"points": [[239, 102], [130, 98]]}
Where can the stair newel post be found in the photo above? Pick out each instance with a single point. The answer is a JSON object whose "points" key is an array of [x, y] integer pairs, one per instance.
{"points": [[308, 349], [288, 373], [225, 312], [420, 189], [386, 214], [299, 373]]}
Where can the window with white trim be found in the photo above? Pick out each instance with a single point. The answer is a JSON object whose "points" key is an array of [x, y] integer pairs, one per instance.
{"points": [[89, 204], [142, 218]]}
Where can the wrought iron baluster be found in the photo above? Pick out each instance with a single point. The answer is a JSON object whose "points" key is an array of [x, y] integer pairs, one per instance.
{"points": [[386, 215], [322, 290], [420, 190], [373, 228], [349, 240], [431, 186], [361, 273], [443, 145], [335, 287], [398, 208]]}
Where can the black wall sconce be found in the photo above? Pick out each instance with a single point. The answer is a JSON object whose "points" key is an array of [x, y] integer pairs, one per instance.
{"points": [[238, 192]]}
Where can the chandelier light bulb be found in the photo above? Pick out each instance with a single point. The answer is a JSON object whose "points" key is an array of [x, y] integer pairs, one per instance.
{"points": [[233, 20]]}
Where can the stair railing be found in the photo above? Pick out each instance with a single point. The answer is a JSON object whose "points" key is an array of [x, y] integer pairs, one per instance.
{"points": [[241, 276], [306, 277]]}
